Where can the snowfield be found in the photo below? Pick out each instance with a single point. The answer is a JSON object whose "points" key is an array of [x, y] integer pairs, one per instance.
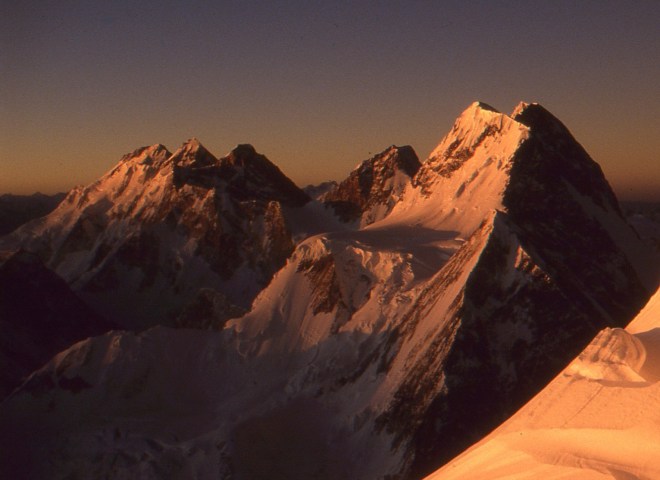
{"points": [[600, 418]]}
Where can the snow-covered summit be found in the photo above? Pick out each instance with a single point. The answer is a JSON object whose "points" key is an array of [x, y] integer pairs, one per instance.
{"points": [[463, 179], [472, 128], [156, 152], [143, 239], [193, 154], [554, 203], [369, 351], [527, 164]]}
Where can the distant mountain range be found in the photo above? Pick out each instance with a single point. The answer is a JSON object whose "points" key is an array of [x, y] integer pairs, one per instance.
{"points": [[371, 328]]}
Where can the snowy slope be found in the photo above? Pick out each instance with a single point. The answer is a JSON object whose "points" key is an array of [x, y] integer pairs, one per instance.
{"points": [[140, 243], [464, 178], [598, 419], [39, 317], [370, 351]]}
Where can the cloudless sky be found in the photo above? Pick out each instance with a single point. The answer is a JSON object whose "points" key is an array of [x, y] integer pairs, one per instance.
{"points": [[317, 86]]}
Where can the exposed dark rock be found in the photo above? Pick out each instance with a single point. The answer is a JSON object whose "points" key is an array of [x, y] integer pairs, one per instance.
{"points": [[547, 280], [209, 310], [129, 230], [373, 183], [575, 248]]}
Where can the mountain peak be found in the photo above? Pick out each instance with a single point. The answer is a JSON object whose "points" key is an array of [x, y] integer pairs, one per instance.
{"points": [[480, 127], [245, 155], [520, 108], [375, 186], [553, 162], [193, 154], [147, 155], [243, 149], [479, 105], [402, 158], [538, 118], [475, 117], [193, 141], [252, 175]]}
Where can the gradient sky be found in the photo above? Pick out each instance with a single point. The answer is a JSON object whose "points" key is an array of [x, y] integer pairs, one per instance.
{"points": [[317, 86]]}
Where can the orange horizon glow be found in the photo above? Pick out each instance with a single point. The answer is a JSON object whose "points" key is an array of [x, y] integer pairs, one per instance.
{"points": [[317, 89]]}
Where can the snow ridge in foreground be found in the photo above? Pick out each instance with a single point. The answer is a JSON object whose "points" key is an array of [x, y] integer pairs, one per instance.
{"points": [[600, 418]]}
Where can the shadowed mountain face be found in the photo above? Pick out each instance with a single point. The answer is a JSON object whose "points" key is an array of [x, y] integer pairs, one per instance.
{"points": [[15, 210], [645, 219], [555, 178], [598, 418], [575, 271], [244, 174], [457, 289], [39, 317]]}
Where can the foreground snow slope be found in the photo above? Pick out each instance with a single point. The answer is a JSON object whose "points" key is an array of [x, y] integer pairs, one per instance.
{"points": [[371, 354], [600, 418]]}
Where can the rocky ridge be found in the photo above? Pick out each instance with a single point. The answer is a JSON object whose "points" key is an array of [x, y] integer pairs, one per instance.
{"points": [[396, 344], [374, 187], [141, 241]]}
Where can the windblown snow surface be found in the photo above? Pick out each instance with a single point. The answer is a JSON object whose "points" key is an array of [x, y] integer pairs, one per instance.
{"points": [[600, 418]]}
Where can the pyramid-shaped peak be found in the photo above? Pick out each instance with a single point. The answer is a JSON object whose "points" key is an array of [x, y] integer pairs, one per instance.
{"points": [[472, 127], [476, 116], [393, 158], [244, 149], [193, 153], [253, 175], [550, 160], [192, 144], [245, 155]]}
